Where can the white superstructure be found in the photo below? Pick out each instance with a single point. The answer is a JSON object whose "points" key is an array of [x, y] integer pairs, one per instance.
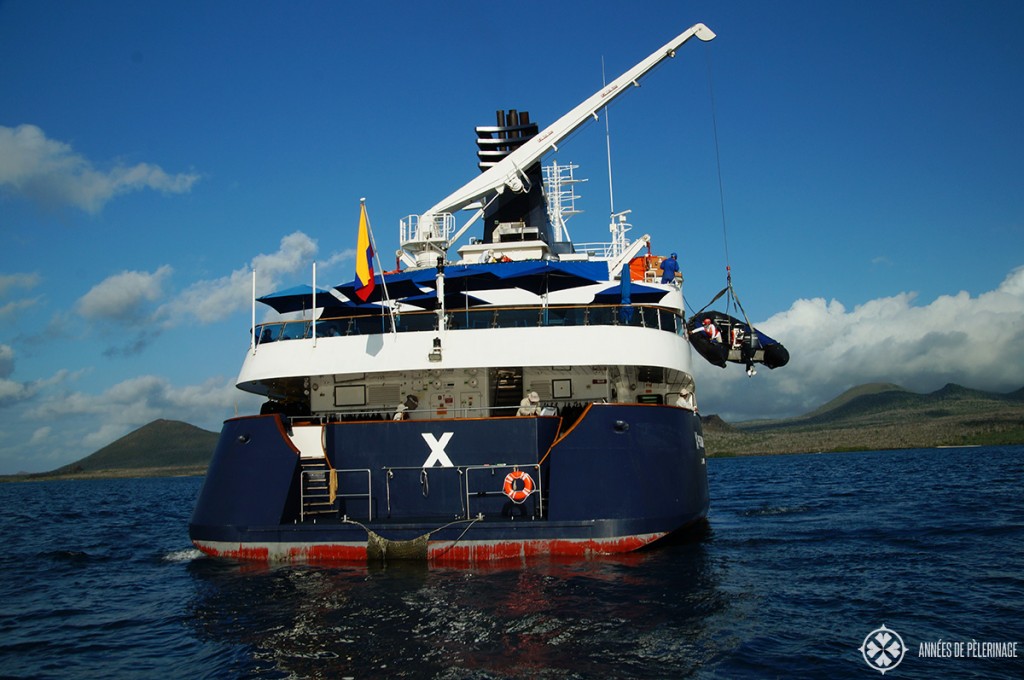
{"points": [[521, 310]]}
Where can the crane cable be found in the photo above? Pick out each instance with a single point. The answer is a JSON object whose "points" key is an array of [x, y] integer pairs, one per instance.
{"points": [[732, 297], [718, 155]]}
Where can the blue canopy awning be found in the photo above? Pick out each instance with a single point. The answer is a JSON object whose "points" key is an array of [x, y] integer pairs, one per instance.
{"points": [[298, 298], [637, 293], [535, 276], [453, 300], [398, 285]]}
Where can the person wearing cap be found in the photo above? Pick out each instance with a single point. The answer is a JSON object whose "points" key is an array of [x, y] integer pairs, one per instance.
{"points": [[410, 404], [669, 268], [686, 399], [530, 405]]}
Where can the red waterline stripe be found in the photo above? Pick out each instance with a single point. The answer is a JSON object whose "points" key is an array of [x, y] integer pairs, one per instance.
{"points": [[442, 552]]}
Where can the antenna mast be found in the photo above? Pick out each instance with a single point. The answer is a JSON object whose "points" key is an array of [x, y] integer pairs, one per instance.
{"points": [[561, 197], [608, 146], [617, 224]]}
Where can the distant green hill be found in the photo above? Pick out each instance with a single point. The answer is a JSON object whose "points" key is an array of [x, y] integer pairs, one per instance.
{"points": [[161, 448], [883, 416], [872, 416], [160, 444], [853, 393]]}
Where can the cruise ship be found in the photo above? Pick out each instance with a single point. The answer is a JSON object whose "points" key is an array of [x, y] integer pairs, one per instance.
{"points": [[499, 396]]}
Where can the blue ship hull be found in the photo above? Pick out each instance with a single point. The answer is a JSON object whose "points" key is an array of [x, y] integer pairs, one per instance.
{"points": [[619, 478]]}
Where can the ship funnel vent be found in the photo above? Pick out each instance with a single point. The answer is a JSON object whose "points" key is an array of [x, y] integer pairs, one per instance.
{"points": [[494, 142]]}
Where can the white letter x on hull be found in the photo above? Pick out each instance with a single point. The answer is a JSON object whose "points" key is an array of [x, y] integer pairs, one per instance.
{"points": [[437, 454]]}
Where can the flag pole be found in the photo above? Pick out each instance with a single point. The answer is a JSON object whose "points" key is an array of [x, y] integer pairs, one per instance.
{"points": [[376, 254], [313, 310], [252, 333]]}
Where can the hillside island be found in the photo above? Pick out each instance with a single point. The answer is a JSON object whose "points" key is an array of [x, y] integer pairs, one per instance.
{"points": [[877, 416]]}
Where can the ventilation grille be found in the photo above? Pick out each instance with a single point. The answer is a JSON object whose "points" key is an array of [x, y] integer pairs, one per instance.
{"points": [[384, 394]]}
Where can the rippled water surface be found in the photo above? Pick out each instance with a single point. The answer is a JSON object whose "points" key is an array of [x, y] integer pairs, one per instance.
{"points": [[804, 557]]}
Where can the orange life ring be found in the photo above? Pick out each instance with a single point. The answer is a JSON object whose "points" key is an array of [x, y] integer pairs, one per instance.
{"points": [[520, 494]]}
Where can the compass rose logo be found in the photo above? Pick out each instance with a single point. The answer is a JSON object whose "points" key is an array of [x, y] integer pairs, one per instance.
{"points": [[883, 649]]}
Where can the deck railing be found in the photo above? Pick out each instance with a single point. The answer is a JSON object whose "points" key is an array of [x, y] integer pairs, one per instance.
{"points": [[472, 496], [341, 493], [482, 491], [643, 316]]}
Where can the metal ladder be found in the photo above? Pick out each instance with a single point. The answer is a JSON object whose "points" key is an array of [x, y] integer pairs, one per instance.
{"points": [[316, 493]]}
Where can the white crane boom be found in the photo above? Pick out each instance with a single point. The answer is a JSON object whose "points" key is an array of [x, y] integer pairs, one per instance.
{"points": [[512, 167]]}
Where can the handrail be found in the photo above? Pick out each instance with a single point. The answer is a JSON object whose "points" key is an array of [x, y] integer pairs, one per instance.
{"points": [[463, 472], [504, 466], [389, 473], [380, 415], [638, 315], [369, 491], [310, 474]]}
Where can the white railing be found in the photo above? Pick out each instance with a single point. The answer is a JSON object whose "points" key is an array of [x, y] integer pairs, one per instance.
{"points": [[438, 231], [604, 251], [489, 490], [324, 476]]}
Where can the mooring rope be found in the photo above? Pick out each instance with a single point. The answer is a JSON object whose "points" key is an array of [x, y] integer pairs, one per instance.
{"points": [[412, 548], [468, 527]]}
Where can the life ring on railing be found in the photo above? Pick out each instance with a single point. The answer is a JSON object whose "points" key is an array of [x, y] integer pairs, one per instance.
{"points": [[516, 493]]}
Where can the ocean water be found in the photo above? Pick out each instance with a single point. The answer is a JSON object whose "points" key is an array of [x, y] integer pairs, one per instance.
{"points": [[803, 561]]}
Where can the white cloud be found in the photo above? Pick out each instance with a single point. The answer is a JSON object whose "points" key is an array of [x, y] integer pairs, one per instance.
{"points": [[41, 434], [337, 258], [973, 341], [6, 361], [51, 173], [15, 306], [210, 300], [126, 298], [12, 391], [133, 403], [138, 299], [123, 297], [89, 421], [9, 282]]}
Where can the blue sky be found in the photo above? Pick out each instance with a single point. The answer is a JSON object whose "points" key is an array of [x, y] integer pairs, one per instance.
{"points": [[151, 153]]}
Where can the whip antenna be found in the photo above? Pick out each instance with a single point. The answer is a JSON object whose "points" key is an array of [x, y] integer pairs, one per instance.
{"points": [[608, 146]]}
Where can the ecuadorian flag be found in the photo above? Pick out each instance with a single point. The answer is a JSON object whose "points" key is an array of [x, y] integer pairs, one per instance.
{"points": [[364, 257]]}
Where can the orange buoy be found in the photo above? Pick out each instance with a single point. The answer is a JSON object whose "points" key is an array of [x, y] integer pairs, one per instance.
{"points": [[518, 486]]}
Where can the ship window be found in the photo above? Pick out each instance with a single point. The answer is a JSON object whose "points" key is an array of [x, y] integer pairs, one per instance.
{"points": [[267, 333], [650, 374]]}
